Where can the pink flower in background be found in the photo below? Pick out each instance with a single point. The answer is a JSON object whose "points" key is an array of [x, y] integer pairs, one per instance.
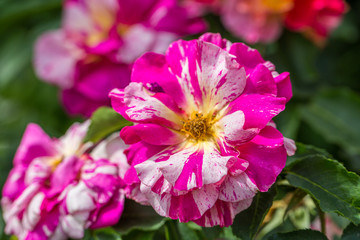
{"points": [[316, 18], [99, 40], [56, 189], [255, 20], [203, 143], [201, 7], [263, 20]]}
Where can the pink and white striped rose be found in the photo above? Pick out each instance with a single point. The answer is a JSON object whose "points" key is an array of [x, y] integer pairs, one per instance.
{"points": [[203, 143], [94, 50], [57, 189]]}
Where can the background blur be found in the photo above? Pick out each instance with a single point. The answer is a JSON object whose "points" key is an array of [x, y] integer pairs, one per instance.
{"points": [[325, 109]]}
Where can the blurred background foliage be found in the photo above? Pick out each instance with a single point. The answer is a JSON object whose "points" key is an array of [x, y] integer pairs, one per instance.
{"points": [[324, 112]]}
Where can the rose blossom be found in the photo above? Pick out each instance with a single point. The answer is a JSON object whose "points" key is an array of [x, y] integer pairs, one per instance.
{"points": [[57, 189], [263, 20], [203, 143], [316, 18], [93, 51], [255, 20]]}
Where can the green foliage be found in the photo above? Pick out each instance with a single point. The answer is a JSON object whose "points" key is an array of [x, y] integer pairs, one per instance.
{"points": [[323, 112], [136, 218], [186, 232], [104, 121], [336, 115], [247, 223], [334, 188], [305, 151], [102, 234], [351, 232], [299, 235]]}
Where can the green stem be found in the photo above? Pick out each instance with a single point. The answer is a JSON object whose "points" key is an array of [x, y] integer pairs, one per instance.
{"points": [[321, 216]]}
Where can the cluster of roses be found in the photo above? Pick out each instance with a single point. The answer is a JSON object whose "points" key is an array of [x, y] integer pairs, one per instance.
{"points": [[99, 41], [263, 20], [203, 142]]}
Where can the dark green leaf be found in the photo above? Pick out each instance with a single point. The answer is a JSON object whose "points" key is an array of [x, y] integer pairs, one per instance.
{"points": [[336, 115], [227, 234], [106, 234], [304, 151], [171, 232], [299, 235], [247, 223], [186, 232], [212, 232], [139, 217], [103, 122], [139, 235], [333, 187], [2, 226], [351, 232]]}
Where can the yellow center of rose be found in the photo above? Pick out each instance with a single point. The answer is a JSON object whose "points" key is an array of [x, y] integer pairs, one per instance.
{"points": [[199, 127], [278, 6]]}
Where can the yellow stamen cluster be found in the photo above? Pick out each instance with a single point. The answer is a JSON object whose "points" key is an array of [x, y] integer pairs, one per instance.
{"points": [[198, 127]]}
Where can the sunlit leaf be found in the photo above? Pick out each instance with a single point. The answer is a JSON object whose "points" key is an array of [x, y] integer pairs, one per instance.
{"points": [[104, 121], [334, 188]]}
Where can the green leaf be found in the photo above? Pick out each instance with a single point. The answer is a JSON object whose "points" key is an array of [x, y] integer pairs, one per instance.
{"points": [[106, 234], [139, 235], [228, 234], [186, 232], [335, 114], [331, 185], [247, 223], [304, 151], [139, 217], [2, 226], [212, 232], [104, 122], [299, 235], [351, 232]]}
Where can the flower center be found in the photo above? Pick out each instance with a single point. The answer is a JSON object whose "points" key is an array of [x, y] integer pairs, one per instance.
{"points": [[278, 6], [198, 127]]}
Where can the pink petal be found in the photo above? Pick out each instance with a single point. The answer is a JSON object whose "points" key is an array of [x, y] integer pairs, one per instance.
{"points": [[152, 70], [136, 104], [140, 39], [233, 128], [188, 207], [222, 213], [237, 188], [246, 56], [151, 133], [284, 86], [261, 81], [55, 59], [79, 199], [185, 168], [215, 38], [221, 80], [258, 109], [266, 155], [35, 143], [247, 25], [110, 214], [290, 146]]}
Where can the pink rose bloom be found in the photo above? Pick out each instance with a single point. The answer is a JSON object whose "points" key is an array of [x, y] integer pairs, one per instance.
{"points": [[201, 7], [94, 50], [255, 20], [263, 20], [57, 189], [316, 18], [203, 143]]}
